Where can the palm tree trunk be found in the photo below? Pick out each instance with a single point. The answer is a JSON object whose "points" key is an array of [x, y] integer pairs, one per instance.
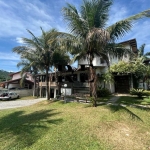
{"points": [[50, 80], [93, 82], [34, 88], [143, 83], [57, 83], [47, 86]]}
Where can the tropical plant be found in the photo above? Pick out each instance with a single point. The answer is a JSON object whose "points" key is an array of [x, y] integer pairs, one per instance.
{"points": [[106, 78], [145, 57], [59, 58], [139, 92], [28, 67], [38, 52], [103, 92], [93, 36], [136, 67], [141, 52]]}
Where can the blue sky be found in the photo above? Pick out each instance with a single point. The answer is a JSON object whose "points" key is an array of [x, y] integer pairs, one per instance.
{"points": [[18, 15]]}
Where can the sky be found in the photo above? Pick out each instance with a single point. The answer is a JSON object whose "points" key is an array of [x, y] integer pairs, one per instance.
{"points": [[16, 16]]}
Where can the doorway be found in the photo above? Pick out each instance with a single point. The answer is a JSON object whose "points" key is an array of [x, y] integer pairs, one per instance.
{"points": [[51, 93], [122, 84]]}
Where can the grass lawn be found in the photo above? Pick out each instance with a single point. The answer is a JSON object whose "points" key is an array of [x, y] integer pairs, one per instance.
{"points": [[73, 126], [128, 100]]}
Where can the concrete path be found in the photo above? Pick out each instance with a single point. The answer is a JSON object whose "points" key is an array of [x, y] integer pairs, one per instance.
{"points": [[18, 103], [113, 99]]}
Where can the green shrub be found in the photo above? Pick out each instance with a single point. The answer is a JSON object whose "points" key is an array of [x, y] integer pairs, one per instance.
{"points": [[146, 93], [103, 92], [58, 96], [139, 92], [93, 101]]}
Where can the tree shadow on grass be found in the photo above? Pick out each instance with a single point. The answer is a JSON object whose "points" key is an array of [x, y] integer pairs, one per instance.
{"points": [[128, 100], [119, 107], [26, 129]]}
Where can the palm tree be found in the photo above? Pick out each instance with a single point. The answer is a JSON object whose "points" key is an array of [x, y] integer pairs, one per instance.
{"points": [[41, 53], [89, 28], [28, 66], [141, 52], [144, 57], [59, 58], [41, 50]]}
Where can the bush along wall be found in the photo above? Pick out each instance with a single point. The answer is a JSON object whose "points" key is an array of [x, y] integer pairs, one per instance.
{"points": [[103, 92], [139, 92]]}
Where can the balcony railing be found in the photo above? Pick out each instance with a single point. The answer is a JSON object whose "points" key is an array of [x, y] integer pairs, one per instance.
{"points": [[81, 84], [44, 84], [69, 84]]}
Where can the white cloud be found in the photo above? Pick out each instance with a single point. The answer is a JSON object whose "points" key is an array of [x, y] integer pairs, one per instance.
{"points": [[22, 15], [9, 56], [19, 40]]}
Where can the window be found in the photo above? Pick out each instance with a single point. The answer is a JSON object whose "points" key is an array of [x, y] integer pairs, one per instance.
{"points": [[83, 77], [102, 61], [53, 78], [75, 77]]}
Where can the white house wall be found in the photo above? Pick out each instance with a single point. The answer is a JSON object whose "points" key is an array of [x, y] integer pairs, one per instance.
{"points": [[13, 86], [113, 59], [96, 62]]}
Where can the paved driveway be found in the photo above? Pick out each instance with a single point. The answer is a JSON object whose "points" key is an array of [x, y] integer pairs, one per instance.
{"points": [[18, 103]]}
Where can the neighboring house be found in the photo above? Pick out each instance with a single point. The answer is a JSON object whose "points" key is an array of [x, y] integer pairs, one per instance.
{"points": [[77, 78], [14, 83], [2, 85]]}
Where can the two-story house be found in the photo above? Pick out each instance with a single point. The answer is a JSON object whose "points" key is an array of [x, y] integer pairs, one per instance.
{"points": [[122, 83], [77, 80]]}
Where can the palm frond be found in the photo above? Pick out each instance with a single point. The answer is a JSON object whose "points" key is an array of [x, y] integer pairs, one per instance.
{"points": [[147, 54], [77, 25], [119, 29], [141, 50], [95, 12], [140, 15]]}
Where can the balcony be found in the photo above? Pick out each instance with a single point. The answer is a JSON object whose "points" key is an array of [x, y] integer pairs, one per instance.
{"points": [[76, 84], [97, 61]]}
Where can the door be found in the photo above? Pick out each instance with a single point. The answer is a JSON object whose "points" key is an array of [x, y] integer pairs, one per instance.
{"points": [[122, 84], [52, 93]]}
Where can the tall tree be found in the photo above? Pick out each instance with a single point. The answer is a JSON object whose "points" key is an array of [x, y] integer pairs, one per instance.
{"points": [[59, 58], [41, 53], [28, 65], [141, 52], [144, 56], [89, 27]]}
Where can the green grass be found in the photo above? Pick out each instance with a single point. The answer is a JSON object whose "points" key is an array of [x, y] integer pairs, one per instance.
{"points": [[103, 99], [129, 100], [73, 126]]}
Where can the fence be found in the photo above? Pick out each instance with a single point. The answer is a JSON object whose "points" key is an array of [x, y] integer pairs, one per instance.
{"points": [[21, 92]]}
